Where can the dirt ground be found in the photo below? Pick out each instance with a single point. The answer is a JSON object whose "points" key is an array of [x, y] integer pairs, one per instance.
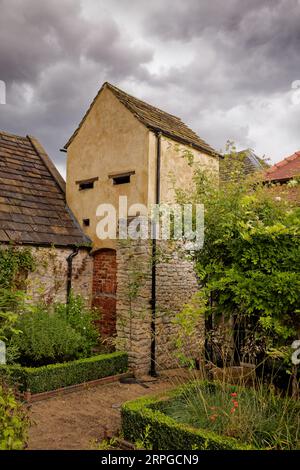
{"points": [[77, 420]]}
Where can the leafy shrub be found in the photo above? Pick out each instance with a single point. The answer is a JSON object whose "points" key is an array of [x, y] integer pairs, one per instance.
{"points": [[80, 318], [15, 264], [54, 376], [250, 261], [44, 334], [46, 338], [13, 421]]}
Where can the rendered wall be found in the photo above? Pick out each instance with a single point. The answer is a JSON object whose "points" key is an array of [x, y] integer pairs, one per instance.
{"points": [[111, 140]]}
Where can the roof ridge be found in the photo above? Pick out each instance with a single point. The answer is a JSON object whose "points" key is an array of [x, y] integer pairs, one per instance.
{"points": [[283, 162], [10, 134], [286, 169], [39, 150], [113, 87], [154, 119]]}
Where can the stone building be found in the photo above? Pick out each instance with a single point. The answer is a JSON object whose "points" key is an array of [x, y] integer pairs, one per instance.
{"points": [[33, 212], [126, 147]]}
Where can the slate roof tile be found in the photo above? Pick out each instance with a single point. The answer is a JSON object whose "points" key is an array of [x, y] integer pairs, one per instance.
{"points": [[32, 198]]}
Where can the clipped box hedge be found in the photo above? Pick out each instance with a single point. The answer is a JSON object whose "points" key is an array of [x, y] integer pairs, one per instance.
{"points": [[167, 434], [54, 376]]}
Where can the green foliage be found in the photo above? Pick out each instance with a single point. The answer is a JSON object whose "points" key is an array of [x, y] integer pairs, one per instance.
{"points": [[42, 334], [46, 337], [105, 444], [144, 442], [187, 322], [256, 416], [144, 417], [54, 376], [15, 263], [250, 262], [200, 416], [13, 421], [80, 318]]}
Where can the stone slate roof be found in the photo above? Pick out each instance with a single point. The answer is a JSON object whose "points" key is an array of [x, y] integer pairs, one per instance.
{"points": [[154, 119], [251, 164], [32, 196], [284, 170]]}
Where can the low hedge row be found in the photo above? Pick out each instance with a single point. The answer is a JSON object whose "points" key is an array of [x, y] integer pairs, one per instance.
{"points": [[54, 376], [164, 432]]}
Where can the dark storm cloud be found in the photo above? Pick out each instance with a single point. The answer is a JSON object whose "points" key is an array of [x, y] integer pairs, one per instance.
{"points": [[53, 60], [243, 56], [257, 42]]}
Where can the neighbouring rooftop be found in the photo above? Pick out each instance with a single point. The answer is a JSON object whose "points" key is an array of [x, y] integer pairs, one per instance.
{"points": [[284, 170], [33, 208]]}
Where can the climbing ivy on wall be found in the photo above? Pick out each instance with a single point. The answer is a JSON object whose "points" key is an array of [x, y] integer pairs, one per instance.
{"points": [[15, 264]]}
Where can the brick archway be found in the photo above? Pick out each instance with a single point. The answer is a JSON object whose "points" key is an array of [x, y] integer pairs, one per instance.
{"points": [[104, 290]]}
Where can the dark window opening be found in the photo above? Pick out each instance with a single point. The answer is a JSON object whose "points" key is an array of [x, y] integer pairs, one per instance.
{"points": [[88, 185], [86, 222], [121, 179]]}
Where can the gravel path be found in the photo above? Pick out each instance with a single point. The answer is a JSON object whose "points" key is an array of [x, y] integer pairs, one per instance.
{"points": [[76, 420]]}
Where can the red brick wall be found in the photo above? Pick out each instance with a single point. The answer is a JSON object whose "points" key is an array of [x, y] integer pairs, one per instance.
{"points": [[104, 290]]}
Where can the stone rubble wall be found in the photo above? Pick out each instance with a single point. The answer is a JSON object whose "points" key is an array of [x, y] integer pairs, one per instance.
{"points": [[176, 283], [49, 280], [133, 302]]}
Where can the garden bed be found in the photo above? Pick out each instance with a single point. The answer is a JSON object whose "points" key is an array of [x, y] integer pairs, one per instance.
{"points": [[207, 416], [56, 376], [145, 417]]}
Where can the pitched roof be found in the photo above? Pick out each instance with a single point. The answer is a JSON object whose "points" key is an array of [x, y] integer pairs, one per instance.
{"points": [[250, 163], [154, 119], [32, 198], [284, 170]]}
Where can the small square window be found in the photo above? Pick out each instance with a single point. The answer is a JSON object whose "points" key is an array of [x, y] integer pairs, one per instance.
{"points": [[86, 222]]}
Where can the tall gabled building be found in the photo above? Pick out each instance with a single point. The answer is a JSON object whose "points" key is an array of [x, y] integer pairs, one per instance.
{"points": [[126, 147]]}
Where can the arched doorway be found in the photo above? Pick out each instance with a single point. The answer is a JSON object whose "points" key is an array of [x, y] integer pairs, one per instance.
{"points": [[104, 290]]}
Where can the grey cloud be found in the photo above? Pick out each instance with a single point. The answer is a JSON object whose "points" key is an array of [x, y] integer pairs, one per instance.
{"points": [[54, 58], [62, 58]]}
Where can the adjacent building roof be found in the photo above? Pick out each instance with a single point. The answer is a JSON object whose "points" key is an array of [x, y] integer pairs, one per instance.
{"points": [[32, 196], [251, 163], [154, 119], [284, 170]]}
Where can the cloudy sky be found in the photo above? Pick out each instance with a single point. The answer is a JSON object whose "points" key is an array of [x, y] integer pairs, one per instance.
{"points": [[226, 68]]}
